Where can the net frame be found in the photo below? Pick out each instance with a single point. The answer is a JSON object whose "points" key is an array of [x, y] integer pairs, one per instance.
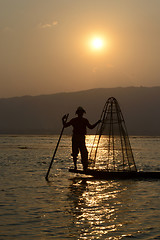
{"points": [[118, 155]]}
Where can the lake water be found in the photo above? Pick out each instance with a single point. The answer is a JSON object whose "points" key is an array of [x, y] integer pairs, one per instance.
{"points": [[72, 206]]}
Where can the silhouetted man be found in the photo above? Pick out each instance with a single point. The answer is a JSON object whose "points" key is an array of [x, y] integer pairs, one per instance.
{"points": [[80, 125]]}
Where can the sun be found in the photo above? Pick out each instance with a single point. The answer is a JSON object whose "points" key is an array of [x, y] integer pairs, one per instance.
{"points": [[97, 43]]}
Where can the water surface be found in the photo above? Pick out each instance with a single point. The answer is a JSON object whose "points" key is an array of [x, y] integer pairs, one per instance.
{"points": [[72, 206]]}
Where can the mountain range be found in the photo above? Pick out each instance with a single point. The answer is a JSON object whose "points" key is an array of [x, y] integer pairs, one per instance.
{"points": [[42, 114]]}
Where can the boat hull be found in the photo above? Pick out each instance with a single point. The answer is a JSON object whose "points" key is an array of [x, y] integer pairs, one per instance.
{"points": [[101, 174]]}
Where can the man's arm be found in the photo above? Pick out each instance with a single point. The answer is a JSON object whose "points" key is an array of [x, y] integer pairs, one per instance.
{"points": [[91, 126], [64, 121]]}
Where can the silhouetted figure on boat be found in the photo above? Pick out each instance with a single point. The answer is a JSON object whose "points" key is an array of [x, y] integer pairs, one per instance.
{"points": [[80, 125]]}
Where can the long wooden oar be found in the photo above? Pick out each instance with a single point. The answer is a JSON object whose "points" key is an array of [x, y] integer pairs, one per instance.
{"points": [[55, 150]]}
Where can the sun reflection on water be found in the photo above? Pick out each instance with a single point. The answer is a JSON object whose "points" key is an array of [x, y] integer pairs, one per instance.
{"points": [[109, 154], [96, 207]]}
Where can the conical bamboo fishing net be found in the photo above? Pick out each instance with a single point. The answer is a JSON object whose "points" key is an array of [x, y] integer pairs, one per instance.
{"points": [[111, 149]]}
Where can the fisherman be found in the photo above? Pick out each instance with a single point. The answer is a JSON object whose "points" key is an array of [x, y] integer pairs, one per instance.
{"points": [[79, 125]]}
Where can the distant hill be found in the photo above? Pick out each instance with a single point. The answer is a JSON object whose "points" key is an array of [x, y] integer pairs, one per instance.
{"points": [[42, 114]]}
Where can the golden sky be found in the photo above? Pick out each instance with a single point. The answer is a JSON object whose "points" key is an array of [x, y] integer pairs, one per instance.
{"points": [[66, 45]]}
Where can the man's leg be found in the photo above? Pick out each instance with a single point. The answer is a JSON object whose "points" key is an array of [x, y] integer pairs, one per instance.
{"points": [[75, 151], [84, 154]]}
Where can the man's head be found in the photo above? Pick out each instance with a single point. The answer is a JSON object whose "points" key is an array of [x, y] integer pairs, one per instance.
{"points": [[80, 111]]}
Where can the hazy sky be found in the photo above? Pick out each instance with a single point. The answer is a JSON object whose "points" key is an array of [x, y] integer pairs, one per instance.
{"points": [[45, 45]]}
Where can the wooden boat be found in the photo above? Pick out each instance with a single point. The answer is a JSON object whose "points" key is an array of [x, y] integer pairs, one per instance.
{"points": [[112, 141], [102, 174]]}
